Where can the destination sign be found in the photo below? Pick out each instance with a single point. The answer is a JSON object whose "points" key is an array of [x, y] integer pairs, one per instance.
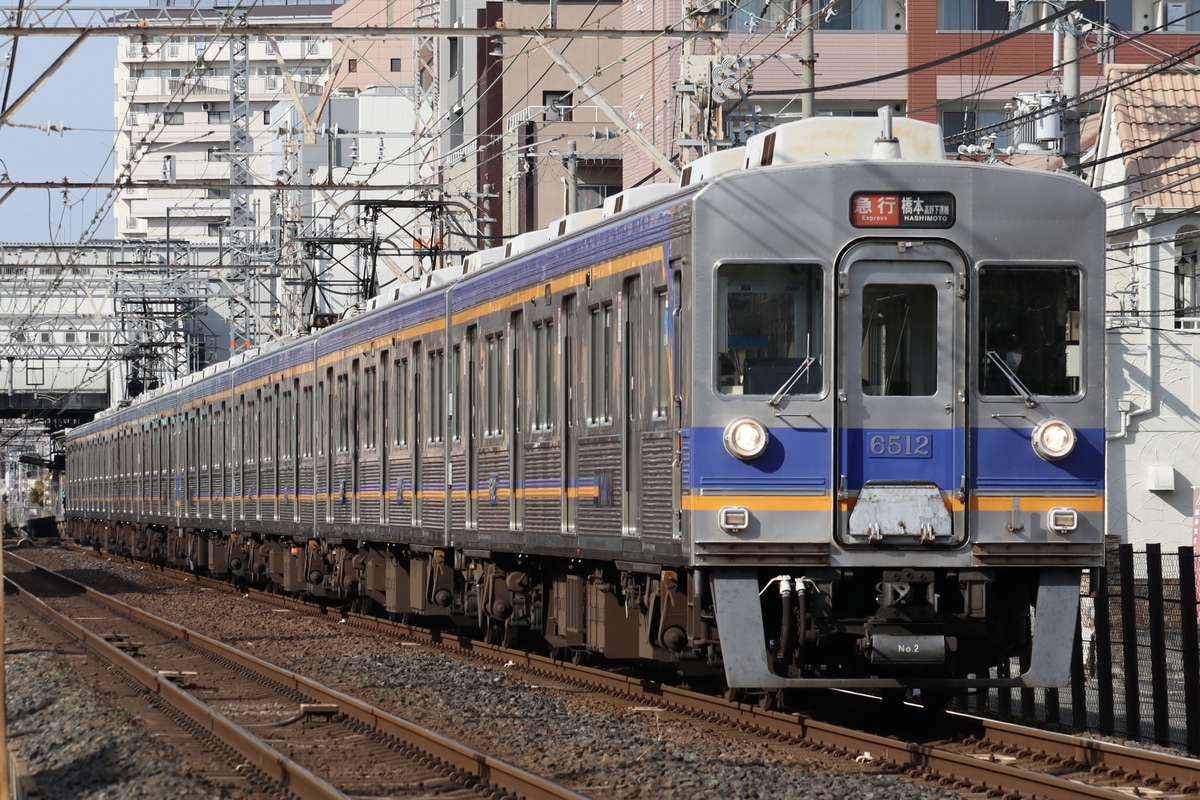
{"points": [[902, 210]]}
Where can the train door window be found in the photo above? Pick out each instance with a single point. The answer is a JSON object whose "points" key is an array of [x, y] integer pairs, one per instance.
{"points": [[437, 393], [769, 329], [306, 422], [400, 398], [320, 420], [899, 340], [493, 385], [1029, 331], [369, 389], [452, 406], [285, 426], [543, 375], [342, 395], [600, 350], [661, 326]]}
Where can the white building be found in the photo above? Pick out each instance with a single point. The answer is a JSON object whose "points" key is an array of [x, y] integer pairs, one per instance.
{"points": [[1146, 158], [173, 112]]}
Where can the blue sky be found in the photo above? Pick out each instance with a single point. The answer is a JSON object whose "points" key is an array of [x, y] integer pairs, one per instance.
{"points": [[80, 96]]}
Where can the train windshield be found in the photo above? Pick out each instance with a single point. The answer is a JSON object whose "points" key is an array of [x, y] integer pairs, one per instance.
{"points": [[769, 328], [1029, 333]]}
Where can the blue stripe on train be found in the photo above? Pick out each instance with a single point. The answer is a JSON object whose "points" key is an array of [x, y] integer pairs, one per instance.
{"points": [[800, 459]]}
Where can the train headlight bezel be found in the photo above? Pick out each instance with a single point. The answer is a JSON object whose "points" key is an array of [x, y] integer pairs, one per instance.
{"points": [[1053, 439], [746, 438]]}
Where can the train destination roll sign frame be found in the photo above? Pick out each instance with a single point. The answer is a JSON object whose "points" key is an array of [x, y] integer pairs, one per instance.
{"points": [[902, 210]]}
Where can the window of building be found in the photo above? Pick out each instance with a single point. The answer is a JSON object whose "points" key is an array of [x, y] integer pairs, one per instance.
{"points": [[266, 116], [1187, 301], [557, 106], [972, 15], [351, 65], [396, 65], [593, 196], [1118, 12], [959, 127], [218, 117], [172, 117], [862, 15]]}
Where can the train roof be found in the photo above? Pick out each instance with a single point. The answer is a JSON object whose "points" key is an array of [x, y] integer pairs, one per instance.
{"points": [[817, 139]]}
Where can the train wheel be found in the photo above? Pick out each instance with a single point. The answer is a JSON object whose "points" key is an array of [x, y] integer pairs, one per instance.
{"points": [[580, 657]]}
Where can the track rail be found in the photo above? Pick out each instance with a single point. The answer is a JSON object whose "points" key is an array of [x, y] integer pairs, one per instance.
{"points": [[466, 765], [975, 754]]}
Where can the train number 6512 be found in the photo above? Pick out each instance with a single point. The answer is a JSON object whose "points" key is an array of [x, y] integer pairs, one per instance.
{"points": [[900, 445]]}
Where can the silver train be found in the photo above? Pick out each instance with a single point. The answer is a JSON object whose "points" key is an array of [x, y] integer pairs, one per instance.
{"points": [[827, 413]]}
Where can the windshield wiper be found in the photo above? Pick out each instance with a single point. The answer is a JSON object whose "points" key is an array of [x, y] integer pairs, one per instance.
{"points": [[800, 372], [1013, 381]]}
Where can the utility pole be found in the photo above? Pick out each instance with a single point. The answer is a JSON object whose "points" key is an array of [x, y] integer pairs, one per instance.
{"points": [[808, 60], [1070, 100], [572, 177]]}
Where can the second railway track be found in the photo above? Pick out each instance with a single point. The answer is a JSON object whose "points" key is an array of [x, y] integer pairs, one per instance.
{"points": [[312, 741]]}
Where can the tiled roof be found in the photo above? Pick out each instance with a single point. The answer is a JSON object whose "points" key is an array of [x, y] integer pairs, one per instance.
{"points": [[1157, 127]]}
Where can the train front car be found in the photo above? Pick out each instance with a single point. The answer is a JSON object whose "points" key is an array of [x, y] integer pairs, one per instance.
{"points": [[894, 472]]}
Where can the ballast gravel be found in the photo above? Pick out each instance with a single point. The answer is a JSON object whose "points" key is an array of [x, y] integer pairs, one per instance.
{"points": [[79, 745]]}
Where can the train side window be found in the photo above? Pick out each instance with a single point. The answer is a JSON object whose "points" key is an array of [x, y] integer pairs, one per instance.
{"points": [[1029, 334], [899, 340], [600, 377], [769, 328], [493, 378]]}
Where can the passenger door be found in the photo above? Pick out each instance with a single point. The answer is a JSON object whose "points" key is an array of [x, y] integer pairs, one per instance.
{"points": [[901, 435]]}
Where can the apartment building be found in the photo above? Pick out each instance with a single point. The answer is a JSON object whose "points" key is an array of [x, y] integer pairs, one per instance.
{"points": [[173, 113]]}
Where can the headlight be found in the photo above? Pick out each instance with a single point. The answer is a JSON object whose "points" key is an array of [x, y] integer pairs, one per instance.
{"points": [[745, 438], [1053, 439]]}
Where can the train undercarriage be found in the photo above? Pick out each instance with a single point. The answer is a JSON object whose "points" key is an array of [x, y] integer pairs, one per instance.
{"points": [[822, 628]]}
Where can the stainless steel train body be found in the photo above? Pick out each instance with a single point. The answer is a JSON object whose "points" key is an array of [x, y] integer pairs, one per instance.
{"points": [[820, 423]]}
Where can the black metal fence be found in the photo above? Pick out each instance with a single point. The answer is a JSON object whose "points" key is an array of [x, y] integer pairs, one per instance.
{"points": [[1136, 671]]}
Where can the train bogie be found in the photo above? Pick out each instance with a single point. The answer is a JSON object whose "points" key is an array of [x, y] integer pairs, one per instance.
{"points": [[818, 422]]}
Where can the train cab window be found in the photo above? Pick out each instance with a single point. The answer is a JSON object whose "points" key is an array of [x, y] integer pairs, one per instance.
{"points": [[769, 328], [899, 340], [1029, 335]]}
